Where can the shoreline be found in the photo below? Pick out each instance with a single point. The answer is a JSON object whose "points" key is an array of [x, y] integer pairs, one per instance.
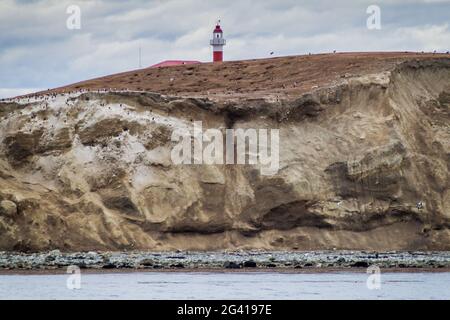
{"points": [[57, 262], [314, 270]]}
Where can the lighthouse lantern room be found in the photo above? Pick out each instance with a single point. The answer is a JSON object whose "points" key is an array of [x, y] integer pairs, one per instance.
{"points": [[217, 43]]}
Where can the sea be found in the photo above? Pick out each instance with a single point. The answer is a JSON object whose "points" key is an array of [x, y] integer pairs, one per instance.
{"points": [[227, 285]]}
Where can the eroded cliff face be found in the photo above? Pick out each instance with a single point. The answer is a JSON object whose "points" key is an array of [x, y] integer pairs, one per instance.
{"points": [[364, 164]]}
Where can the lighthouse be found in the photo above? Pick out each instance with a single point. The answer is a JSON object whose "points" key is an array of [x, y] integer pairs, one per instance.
{"points": [[217, 43]]}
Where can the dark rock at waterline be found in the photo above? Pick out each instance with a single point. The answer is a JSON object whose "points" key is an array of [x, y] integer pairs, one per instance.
{"points": [[49, 258], [360, 264], [431, 262], [125, 265], [250, 264], [63, 264], [340, 261], [231, 265], [147, 263], [177, 265], [271, 265], [109, 266]]}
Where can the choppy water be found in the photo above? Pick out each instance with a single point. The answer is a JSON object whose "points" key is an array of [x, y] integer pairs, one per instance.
{"points": [[217, 285]]}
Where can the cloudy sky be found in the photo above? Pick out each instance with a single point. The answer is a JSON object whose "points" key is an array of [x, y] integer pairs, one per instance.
{"points": [[39, 51]]}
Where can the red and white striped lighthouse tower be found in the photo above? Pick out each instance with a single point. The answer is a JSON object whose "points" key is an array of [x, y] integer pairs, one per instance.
{"points": [[217, 43]]}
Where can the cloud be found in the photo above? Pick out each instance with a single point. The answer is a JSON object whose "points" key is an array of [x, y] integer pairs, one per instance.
{"points": [[37, 50], [13, 92], [429, 38]]}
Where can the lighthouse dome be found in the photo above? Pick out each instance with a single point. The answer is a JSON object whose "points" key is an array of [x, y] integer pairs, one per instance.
{"points": [[218, 29]]}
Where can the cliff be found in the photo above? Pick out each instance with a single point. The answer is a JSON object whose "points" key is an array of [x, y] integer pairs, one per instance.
{"points": [[364, 158]]}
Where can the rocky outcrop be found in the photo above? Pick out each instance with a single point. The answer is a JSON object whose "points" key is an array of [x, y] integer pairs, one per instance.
{"points": [[8, 208], [364, 164]]}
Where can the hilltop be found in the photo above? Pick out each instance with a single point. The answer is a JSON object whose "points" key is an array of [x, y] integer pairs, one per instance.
{"points": [[283, 77]]}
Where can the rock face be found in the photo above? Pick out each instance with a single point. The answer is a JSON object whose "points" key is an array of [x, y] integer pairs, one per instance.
{"points": [[8, 208], [364, 164]]}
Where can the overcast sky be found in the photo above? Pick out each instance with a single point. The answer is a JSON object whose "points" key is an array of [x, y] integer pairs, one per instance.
{"points": [[37, 50]]}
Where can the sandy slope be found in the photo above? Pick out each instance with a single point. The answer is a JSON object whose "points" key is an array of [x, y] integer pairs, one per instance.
{"points": [[363, 139]]}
